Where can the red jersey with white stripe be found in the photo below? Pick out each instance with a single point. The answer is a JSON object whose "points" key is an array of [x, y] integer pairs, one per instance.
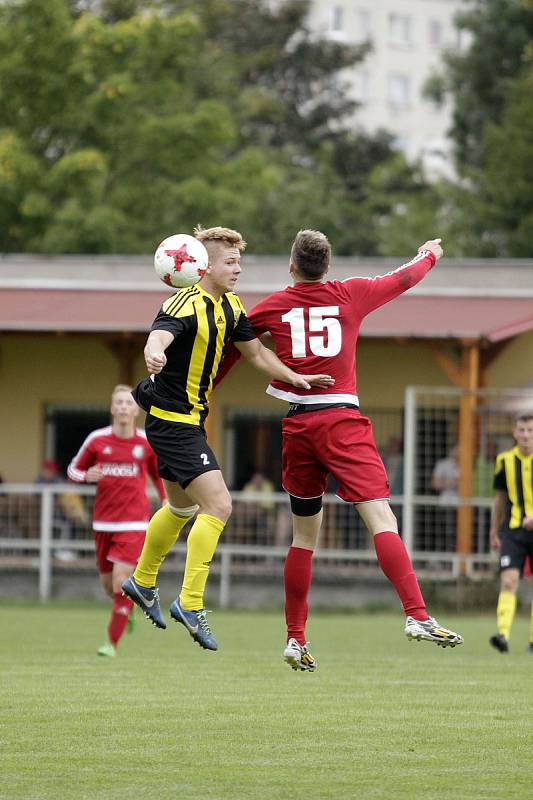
{"points": [[121, 503], [315, 327]]}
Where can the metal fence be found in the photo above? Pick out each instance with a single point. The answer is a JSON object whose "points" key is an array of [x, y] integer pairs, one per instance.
{"points": [[432, 474], [47, 529]]}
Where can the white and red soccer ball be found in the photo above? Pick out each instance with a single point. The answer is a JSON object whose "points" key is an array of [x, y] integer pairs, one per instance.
{"points": [[180, 260]]}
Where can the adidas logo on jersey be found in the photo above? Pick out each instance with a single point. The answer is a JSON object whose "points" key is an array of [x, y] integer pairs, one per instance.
{"points": [[220, 319]]}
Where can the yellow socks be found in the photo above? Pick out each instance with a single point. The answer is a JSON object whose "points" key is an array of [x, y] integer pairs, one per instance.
{"points": [[201, 546], [505, 613], [162, 532]]}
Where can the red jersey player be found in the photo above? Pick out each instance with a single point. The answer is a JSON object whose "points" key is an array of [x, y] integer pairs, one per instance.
{"points": [[314, 325], [117, 459]]}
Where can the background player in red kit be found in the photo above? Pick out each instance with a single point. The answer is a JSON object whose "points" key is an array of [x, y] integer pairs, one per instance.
{"points": [[314, 325], [117, 459]]}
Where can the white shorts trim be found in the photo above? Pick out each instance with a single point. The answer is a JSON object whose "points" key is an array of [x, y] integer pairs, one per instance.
{"points": [[315, 497], [116, 527], [374, 500], [122, 563], [308, 399]]}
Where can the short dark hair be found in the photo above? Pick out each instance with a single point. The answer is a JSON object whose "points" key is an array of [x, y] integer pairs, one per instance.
{"points": [[525, 416], [311, 254]]}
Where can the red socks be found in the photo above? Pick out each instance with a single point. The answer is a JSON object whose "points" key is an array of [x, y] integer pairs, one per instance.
{"points": [[297, 575], [393, 560], [396, 565], [119, 617]]}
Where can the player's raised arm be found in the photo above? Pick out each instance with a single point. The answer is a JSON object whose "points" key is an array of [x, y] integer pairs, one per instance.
{"points": [[266, 361], [154, 350], [371, 293], [432, 246]]}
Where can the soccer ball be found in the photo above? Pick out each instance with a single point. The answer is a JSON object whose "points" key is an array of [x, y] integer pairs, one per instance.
{"points": [[180, 260]]}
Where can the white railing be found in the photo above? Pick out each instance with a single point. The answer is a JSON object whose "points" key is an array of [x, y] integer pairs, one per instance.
{"points": [[36, 532]]}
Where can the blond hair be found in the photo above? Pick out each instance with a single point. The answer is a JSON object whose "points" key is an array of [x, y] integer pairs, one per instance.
{"points": [[120, 387], [220, 235]]}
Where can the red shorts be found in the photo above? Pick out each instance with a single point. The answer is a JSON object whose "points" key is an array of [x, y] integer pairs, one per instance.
{"points": [[337, 441], [117, 548]]}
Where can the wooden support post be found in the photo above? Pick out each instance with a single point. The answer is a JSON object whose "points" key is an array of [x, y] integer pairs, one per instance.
{"points": [[126, 349], [465, 375], [467, 434]]}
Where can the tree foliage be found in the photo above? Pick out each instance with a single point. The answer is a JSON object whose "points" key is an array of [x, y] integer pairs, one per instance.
{"points": [[489, 209], [480, 77], [123, 121]]}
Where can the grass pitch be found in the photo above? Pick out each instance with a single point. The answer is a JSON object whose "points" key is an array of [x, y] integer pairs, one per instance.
{"points": [[381, 717]]}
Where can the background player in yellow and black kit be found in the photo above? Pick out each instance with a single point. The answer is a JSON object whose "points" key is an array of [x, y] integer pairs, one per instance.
{"points": [[183, 354], [513, 506]]}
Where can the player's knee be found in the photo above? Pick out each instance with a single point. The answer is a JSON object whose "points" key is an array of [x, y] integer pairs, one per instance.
{"points": [[306, 507], [187, 512], [509, 581], [220, 507], [388, 517], [378, 516]]}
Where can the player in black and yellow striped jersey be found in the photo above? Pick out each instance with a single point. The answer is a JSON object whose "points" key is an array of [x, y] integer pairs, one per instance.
{"points": [[513, 508], [183, 354]]}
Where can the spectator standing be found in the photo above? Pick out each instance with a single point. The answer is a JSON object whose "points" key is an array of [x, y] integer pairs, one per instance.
{"points": [[445, 476], [69, 508]]}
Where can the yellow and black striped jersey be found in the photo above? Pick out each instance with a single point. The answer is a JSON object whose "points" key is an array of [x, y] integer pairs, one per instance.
{"points": [[201, 327], [513, 474]]}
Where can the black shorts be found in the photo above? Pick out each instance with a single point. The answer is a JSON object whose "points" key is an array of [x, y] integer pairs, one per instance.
{"points": [[516, 544], [181, 449]]}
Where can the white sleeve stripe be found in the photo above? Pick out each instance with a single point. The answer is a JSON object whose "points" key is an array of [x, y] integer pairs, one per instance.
{"points": [[76, 474], [415, 260], [72, 471]]}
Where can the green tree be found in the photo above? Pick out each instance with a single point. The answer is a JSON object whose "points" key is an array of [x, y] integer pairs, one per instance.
{"points": [[123, 121], [490, 208], [503, 200], [479, 79]]}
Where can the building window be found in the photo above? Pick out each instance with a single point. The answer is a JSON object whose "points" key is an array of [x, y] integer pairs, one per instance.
{"points": [[337, 19], [399, 91], [364, 24], [400, 29], [435, 32], [400, 143], [464, 39], [363, 86]]}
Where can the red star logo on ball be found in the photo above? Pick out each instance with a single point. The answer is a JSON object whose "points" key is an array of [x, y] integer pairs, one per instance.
{"points": [[180, 257]]}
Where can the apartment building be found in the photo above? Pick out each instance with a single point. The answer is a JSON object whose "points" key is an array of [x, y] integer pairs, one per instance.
{"points": [[408, 40]]}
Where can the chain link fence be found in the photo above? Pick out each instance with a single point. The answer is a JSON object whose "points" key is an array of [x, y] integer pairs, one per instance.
{"points": [[433, 470]]}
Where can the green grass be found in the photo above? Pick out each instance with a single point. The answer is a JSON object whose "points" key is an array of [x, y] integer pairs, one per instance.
{"points": [[381, 718]]}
